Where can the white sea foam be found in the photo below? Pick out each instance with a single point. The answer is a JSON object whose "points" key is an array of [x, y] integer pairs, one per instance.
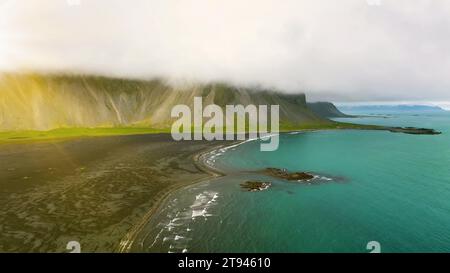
{"points": [[177, 237], [318, 177], [326, 178], [175, 231], [197, 213], [210, 158]]}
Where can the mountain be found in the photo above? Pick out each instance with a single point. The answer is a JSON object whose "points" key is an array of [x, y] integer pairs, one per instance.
{"points": [[44, 102], [390, 108], [326, 110]]}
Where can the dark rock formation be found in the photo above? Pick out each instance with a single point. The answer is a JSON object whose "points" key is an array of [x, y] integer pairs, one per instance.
{"points": [[414, 131], [326, 110], [284, 174], [255, 185]]}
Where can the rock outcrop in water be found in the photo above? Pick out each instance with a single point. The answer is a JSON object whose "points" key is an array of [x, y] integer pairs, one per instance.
{"points": [[255, 185], [284, 174], [414, 131]]}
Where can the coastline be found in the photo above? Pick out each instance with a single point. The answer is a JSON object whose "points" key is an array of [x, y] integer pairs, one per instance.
{"points": [[128, 240], [170, 223], [61, 134], [200, 158], [91, 190], [115, 185]]}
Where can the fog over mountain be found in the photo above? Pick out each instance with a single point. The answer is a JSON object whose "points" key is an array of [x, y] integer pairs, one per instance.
{"points": [[349, 50], [35, 102]]}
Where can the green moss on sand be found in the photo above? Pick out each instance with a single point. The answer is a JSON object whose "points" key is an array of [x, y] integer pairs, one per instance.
{"points": [[63, 133]]}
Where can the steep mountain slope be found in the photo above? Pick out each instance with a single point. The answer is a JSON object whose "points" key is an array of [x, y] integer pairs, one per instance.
{"points": [[326, 110], [43, 102]]}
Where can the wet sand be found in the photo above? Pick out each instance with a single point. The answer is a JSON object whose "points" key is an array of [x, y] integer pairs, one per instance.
{"points": [[93, 190]]}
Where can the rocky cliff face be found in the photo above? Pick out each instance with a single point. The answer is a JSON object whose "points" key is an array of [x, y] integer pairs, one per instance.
{"points": [[37, 102], [326, 110]]}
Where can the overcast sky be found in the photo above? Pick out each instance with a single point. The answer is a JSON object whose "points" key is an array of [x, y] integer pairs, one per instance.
{"points": [[346, 50]]}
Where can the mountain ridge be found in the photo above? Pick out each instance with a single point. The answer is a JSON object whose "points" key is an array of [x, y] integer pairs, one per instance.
{"points": [[326, 110], [46, 102]]}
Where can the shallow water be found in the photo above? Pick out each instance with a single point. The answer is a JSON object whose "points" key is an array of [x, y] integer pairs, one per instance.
{"points": [[377, 186]]}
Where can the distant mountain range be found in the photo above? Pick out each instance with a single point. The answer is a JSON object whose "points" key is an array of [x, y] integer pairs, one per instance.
{"points": [[389, 108]]}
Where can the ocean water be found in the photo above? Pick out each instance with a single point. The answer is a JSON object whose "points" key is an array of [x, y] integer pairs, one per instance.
{"points": [[375, 186]]}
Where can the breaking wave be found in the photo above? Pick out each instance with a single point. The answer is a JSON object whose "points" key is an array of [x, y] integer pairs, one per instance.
{"points": [[177, 231]]}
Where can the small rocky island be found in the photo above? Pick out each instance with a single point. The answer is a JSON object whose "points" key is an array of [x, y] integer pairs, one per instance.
{"points": [[284, 174], [255, 185]]}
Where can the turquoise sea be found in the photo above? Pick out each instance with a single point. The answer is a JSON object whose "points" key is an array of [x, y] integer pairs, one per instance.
{"points": [[375, 186]]}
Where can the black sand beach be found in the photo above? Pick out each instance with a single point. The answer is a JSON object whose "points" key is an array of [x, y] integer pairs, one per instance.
{"points": [[92, 190]]}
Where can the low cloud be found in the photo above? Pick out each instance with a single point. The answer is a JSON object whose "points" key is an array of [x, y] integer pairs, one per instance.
{"points": [[349, 50]]}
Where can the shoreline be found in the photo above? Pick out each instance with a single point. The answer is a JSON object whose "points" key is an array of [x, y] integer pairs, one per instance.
{"points": [[199, 161], [133, 175], [96, 191], [127, 242], [62, 134]]}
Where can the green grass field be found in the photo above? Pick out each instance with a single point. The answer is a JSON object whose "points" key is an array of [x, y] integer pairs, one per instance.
{"points": [[64, 133]]}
